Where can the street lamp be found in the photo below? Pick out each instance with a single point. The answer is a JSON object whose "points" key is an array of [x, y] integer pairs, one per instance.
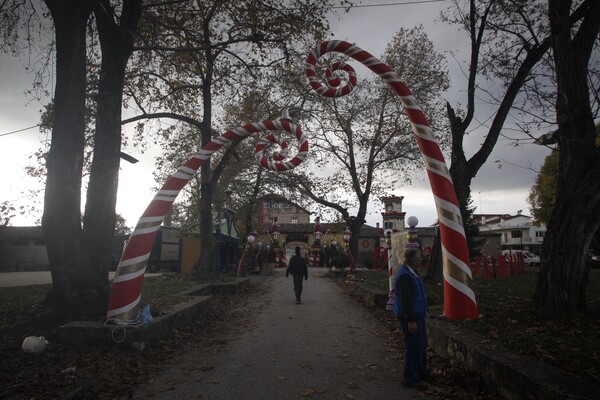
{"points": [[257, 257], [347, 235], [412, 232], [251, 238], [317, 231], [275, 234]]}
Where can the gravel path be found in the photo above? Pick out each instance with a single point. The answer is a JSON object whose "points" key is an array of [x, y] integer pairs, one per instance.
{"points": [[328, 347]]}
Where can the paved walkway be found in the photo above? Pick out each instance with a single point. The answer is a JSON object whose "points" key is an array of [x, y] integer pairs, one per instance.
{"points": [[9, 279], [326, 348]]}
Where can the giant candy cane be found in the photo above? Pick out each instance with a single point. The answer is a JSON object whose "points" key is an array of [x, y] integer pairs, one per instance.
{"points": [[459, 298], [126, 289]]}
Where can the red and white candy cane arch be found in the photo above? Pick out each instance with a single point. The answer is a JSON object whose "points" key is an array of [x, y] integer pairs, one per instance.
{"points": [[459, 298], [123, 303]]}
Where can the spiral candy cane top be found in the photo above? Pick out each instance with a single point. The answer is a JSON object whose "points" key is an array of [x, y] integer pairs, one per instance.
{"points": [[127, 285], [460, 300]]}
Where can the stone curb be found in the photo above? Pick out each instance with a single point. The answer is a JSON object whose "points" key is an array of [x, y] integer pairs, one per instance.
{"points": [[142, 335], [511, 375]]}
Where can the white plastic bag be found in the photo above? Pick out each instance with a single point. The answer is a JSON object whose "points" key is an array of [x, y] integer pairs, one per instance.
{"points": [[34, 344]]}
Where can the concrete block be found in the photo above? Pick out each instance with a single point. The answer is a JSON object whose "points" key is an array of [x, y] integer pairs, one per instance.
{"points": [[135, 336]]}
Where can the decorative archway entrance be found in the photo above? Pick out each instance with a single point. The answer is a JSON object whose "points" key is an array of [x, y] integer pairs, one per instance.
{"points": [[459, 300]]}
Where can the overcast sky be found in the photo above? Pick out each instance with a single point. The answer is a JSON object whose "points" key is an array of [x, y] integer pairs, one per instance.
{"points": [[494, 190]]}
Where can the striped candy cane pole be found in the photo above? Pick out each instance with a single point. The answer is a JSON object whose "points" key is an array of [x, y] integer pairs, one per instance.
{"points": [[459, 298], [126, 289]]}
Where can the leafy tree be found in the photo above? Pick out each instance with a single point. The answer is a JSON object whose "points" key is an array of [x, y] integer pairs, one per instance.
{"points": [[75, 288], [7, 212], [194, 56], [121, 227], [116, 26], [361, 144], [80, 256], [508, 39], [573, 222], [543, 193], [510, 42]]}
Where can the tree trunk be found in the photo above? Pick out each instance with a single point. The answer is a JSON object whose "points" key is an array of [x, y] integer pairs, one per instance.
{"points": [[574, 220], [205, 266], [435, 273], [75, 290], [459, 170], [99, 219]]}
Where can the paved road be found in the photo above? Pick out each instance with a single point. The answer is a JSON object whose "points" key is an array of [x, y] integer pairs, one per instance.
{"points": [[8, 279], [327, 348]]}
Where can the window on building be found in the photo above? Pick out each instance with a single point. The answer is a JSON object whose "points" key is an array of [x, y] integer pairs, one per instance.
{"points": [[294, 220], [388, 225], [516, 234], [539, 234], [266, 204]]}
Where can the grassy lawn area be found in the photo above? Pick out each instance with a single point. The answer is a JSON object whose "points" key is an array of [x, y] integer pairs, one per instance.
{"points": [[510, 318], [156, 290], [89, 371]]}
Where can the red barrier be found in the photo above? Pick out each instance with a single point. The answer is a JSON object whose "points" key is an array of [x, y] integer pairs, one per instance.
{"points": [[477, 266], [498, 267], [486, 269]]}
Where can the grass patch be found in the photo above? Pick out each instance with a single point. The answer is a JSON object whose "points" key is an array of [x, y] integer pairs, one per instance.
{"points": [[27, 300], [376, 280], [18, 299], [157, 287], [510, 318]]}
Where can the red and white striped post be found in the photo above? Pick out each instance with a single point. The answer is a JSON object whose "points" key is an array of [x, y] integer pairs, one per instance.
{"points": [[125, 294], [459, 298]]}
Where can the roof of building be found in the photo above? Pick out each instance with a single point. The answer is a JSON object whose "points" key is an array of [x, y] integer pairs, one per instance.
{"points": [[391, 198], [496, 218], [281, 199], [365, 230]]}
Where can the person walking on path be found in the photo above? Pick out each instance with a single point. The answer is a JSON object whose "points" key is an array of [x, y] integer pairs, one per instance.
{"points": [[299, 270], [410, 308]]}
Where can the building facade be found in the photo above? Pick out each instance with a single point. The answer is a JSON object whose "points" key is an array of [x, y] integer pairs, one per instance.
{"points": [[518, 232], [277, 209], [281, 225], [22, 248], [393, 216]]}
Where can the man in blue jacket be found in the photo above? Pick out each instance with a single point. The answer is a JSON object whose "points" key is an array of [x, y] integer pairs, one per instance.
{"points": [[410, 308]]}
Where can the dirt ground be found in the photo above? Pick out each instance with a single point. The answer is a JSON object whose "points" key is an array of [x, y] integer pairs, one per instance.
{"points": [[84, 372]]}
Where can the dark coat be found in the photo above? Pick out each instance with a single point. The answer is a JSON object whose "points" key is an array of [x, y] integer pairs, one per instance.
{"points": [[297, 267]]}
